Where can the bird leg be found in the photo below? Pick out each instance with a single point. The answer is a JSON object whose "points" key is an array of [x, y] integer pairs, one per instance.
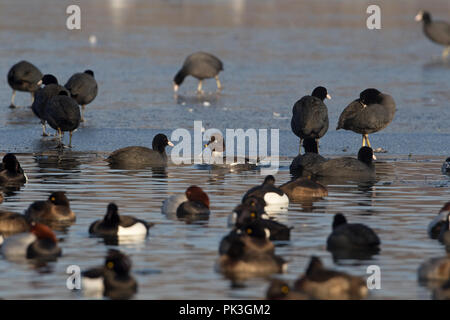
{"points": [[366, 136], [70, 139], [219, 85], [12, 99], [300, 147], [446, 52], [199, 88], [363, 140], [44, 133], [82, 113]]}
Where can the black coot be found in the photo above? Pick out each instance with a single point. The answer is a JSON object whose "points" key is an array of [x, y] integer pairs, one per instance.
{"points": [[200, 65], [372, 112], [43, 95], [24, 76], [436, 31], [83, 88], [310, 115], [63, 114]]}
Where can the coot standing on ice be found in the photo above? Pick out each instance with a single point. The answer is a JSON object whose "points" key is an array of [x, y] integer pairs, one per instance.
{"points": [[310, 115], [436, 31], [24, 76], [372, 112], [200, 65], [83, 88]]}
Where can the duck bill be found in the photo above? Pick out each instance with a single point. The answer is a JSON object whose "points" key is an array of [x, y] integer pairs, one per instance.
{"points": [[328, 97], [170, 144], [418, 17], [175, 87], [39, 83]]}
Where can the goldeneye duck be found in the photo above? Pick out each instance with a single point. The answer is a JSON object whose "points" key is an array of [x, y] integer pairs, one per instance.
{"points": [[55, 209], [274, 197], [39, 243], [196, 207], [114, 225], [351, 239], [11, 223], [11, 173], [323, 284], [436, 225], [136, 156], [112, 280], [252, 208]]}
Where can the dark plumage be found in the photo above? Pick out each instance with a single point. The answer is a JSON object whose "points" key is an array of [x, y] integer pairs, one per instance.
{"points": [[446, 166], [438, 223], [268, 192], [280, 290], [348, 168], [352, 237], [63, 114], [142, 156], [436, 31], [372, 112], [200, 65], [197, 206], [43, 95], [310, 115], [114, 224], [303, 188], [11, 173], [444, 234], [114, 277], [301, 163], [83, 88], [55, 209], [24, 76], [11, 223], [323, 284]]}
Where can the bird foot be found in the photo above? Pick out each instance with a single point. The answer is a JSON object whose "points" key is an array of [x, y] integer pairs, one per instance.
{"points": [[12, 106]]}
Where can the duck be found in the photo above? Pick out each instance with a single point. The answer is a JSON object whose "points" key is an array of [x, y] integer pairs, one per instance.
{"points": [[42, 96], [444, 234], [252, 208], [435, 269], [24, 76], [112, 280], [83, 88], [171, 204], [280, 290], [62, 113], [303, 188], [12, 223], [310, 115], [372, 112], [11, 173], [442, 292], [436, 31], [274, 197], [438, 223], [301, 163], [352, 236], [347, 167], [141, 156], [115, 225], [238, 261], [39, 243], [196, 207], [200, 65], [55, 209], [218, 160], [446, 166], [323, 284]]}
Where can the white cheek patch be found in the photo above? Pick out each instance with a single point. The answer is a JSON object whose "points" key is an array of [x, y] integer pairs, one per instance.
{"points": [[134, 230], [267, 232]]}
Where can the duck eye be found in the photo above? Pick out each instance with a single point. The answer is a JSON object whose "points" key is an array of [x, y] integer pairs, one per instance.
{"points": [[52, 199], [249, 231], [285, 289], [110, 265], [252, 214]]}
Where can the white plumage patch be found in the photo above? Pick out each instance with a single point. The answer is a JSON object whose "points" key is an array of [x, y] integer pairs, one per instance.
{"points": [[232, 219], [1, 239], [92, 287], [272, 198], [171, 204], [134, 230], [17, 245]]}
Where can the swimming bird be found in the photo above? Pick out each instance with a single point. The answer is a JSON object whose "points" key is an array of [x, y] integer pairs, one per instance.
{"points": [[171, 204], [436, 31], [303, 188], [11, 223], [252, 208], [438, 223], [39, 243], [43, 95], [301, 163], [347, 167], [372, 112], [434, 269], [55, 209], [324, 284], [280, 290], [11, 173], [24, 76], [200, 65], [112, 280], [352, 237], [83, 88], [113, 224], [442, 292], [274, 197], [196, 207], [446, 166], [63, 114], [310, 115], [142, 156]]}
